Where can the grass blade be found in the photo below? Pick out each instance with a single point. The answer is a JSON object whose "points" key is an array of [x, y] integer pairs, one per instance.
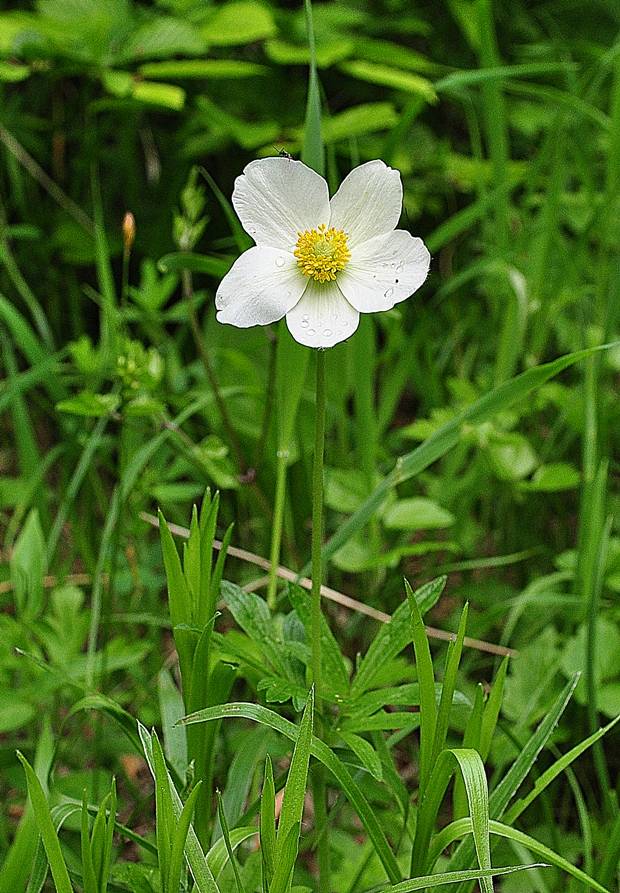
{"points": [[313, 153], [268, 825], [226, 835], [426, 680], [464, 826], [505, 790], [203, 877], [46, 828], [453, 659], [286, 861], [451, 877], [296, 782], [325, 755], [179, 839], [394, 636]]}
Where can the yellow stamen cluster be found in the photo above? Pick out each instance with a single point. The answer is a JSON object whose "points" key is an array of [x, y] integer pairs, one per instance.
{"points": [[322, 252]]}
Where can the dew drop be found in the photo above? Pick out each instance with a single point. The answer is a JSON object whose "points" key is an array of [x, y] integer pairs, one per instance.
{"points": [[327, 333], [399, 266], [388, 293], [305, 322], [280, 261], [311, 332]]}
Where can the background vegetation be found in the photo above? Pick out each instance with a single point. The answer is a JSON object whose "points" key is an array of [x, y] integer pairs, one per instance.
{"points": [[121, 394]]}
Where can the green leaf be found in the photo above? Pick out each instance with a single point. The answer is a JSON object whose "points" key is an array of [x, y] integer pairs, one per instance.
{"points": [[46, 828], [451, 877], [453, 659], [371, 117], [287, 855], [28, 563], [195, 263], [268, 823], [12, 72], [365, 753], [554, 477], [91, 405], [550, 774], [295, 789], [227, 842], [334, 669], [217, 857], [385, 76], [253, 616], [15, 715], [241, 773], [417, 514], [507, 787], [464, 826], [491, 710], [163, 37], [394, 636], [88, 869], [171, 711], [18, 859], [313, 153], [511, 455], [239, 23], [328, 52], [471, 767], [179, 599], [201, 872], [505, 790], [164, 820], [112, 709], [426, 681], [179, 839], [165, 95], [209, 69]]}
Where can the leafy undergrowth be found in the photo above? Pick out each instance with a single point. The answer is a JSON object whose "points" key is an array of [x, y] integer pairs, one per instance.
{"points": [[472, 449]]}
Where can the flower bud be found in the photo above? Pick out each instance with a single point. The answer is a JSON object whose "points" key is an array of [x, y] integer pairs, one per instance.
{"points": [[129, 230]]}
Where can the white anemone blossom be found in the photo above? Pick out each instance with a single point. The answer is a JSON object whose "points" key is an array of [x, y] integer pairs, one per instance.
{"points": [[319, 261]]}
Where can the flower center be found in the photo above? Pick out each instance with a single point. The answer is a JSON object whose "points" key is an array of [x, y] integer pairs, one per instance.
{"points": [[322, 252]]}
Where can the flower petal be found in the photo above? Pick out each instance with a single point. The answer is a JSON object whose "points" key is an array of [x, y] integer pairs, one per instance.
{"points": [[384, 271], [277, 198], [262, 285], [323, 317], [368, 203]]}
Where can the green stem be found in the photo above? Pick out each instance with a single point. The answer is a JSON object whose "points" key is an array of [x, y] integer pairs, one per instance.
{"points": [[318, 777], [276, 527], [125, 276], [317, 521], [188, 296], [319, 795]]}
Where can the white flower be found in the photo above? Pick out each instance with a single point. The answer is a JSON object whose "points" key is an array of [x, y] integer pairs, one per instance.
{"points": [[317, 261]]}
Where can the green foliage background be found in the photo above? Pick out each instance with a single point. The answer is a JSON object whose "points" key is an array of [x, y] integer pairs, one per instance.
{"points": [[504, 119]]}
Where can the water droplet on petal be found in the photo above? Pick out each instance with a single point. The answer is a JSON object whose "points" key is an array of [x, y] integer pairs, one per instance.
{"points": [[327, 333], [388, 293], [399, 266], [280, 261], [311, 332], [304, 322]]}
